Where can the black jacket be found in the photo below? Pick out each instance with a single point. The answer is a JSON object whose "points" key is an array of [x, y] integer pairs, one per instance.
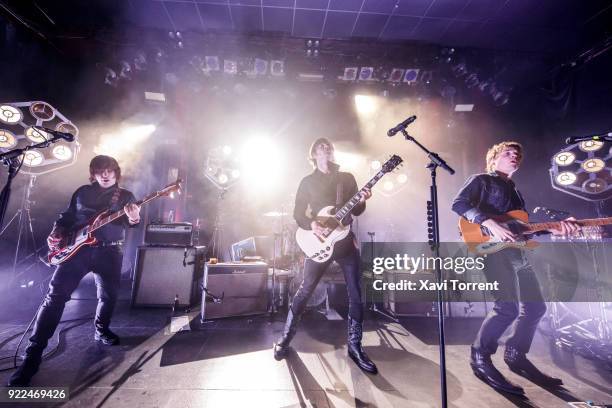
{"points": [[487, 194], [87, 201], [318, 190]]}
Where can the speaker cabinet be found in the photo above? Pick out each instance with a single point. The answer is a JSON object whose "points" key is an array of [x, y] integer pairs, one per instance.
{"points": [[164, 272], [234, 289]]}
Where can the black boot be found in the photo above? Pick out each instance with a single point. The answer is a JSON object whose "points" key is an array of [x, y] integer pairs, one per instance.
{"points": [[485, 370], [27, 369], [519, 364], [282, 344], [105, 336], [355, 352]]}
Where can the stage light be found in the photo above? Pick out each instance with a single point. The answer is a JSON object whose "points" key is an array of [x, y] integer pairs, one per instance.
{"points": [[62, 152], [365, 104], [277, 68], [33, 158], [140, 61], [235, 173], [67, 127], [350, 74], [126, 70], [366, 73], [396, 75], [223, 178], [261, 163], [42, 111], [402, 178], [566, 178], [590, 145], [7, 139], [138, 131], [595, 186], [10, 114], [388, 185], [110, 78], [227, 150], [564, 158], [230, 67], [261, 66], [212, 63], [411, 75], [37, 136], [375, 165], [593, 165]]}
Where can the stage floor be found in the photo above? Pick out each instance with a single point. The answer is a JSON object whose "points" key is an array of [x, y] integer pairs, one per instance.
{"points": [[229, 363]]}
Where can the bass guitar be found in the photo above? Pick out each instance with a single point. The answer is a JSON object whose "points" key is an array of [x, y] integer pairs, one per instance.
{"points": [[81, 236], [319, 247], [481, 242]]}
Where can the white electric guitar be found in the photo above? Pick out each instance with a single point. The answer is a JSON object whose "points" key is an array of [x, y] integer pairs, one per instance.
{"points": [[320, 248]]}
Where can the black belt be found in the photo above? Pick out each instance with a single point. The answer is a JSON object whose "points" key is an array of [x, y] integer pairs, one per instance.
{"points": [[107, 244]]}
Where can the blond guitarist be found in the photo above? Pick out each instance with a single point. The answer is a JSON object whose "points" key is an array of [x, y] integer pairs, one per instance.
{"points": [[519, 299]]}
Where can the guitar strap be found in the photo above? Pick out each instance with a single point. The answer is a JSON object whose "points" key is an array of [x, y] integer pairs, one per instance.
{"points": [[115, 198]]}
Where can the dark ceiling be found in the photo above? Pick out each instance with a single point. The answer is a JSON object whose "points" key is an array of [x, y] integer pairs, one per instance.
{"points": [[555, 27]]}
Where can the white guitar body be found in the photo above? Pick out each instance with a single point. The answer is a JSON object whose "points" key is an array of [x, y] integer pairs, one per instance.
{"points": [[317, 247]]}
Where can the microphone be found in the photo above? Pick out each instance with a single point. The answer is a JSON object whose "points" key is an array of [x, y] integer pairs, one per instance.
{"points": [[597, 138], [69, 137], [551, 212], [401, 126]]}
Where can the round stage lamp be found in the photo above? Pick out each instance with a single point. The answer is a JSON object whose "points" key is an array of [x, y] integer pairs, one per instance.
{"points": [[10, 114], [565, 158], [566, 178], [595, 186], [37, 136], [235, 173], [62, 152], [402, 178], [593, 165], [590, 145], [223, 178], [7, 139], [42, 111], [67, 127], [33, 158], [375, 165]]}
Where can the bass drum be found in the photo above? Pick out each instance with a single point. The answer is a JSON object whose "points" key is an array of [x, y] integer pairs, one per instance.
{"points": [[320, 293]]}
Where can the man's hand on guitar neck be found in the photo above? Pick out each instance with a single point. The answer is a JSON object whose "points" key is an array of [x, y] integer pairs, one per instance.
{"points": [[566, 227], [499, 231]]}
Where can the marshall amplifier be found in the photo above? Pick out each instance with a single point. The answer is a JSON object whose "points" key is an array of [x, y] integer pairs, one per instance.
{"points": [[234, 289], [178, 234], [161, 273]]}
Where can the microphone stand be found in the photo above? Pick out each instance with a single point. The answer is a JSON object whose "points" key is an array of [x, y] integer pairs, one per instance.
{"points": [[11, 159], [433, 228]]}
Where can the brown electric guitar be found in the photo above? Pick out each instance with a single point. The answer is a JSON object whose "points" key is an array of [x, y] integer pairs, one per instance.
{"points": [[480, 241]]}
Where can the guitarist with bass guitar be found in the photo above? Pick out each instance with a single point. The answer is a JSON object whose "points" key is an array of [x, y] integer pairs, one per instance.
{"points": [[103, 258], [327, 186], [482, 200]]}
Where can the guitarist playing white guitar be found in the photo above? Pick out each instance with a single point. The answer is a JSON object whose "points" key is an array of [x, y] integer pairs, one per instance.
{"points": [[103, 256], [483, 199], [327, 186]]}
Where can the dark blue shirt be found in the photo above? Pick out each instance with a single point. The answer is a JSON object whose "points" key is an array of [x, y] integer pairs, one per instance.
{"points": [[484, 195], [89, 200]]}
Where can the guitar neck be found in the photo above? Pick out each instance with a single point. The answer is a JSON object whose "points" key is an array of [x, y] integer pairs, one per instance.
{"points": [[117, 214], [350, 204], [541, 226]]}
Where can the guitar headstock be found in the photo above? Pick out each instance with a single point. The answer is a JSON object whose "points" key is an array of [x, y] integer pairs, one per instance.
{"points": [[172, 188], [391, 164]]}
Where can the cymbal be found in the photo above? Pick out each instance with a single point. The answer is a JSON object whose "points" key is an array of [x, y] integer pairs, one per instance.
{"points": [[275, 214]]}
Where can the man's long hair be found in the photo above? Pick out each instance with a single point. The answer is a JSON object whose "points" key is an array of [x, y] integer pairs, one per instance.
{"points": [[100, 163], [496, 149]]}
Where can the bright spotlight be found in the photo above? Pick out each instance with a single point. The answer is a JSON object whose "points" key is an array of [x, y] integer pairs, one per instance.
{"points": [[261, 163], [235, 173], [388, 186], [566, 178], [223, 178], [402, 178], [227, 150], [138, 132], [365, 104], [565, 158], [62, 152], [375, 165], [33, 158]]}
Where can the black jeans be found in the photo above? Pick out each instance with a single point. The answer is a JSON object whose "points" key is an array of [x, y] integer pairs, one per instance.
{"points": [[348, 259], [105, 263], [519, 301]]}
